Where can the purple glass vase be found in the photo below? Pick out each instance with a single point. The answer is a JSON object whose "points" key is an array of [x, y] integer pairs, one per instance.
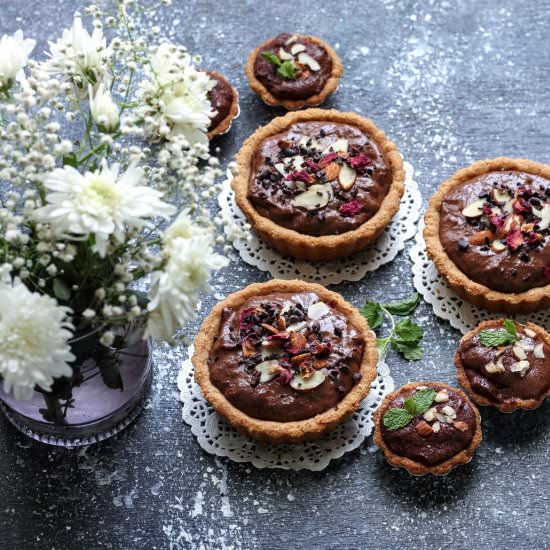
{"points": [[106, 394]]}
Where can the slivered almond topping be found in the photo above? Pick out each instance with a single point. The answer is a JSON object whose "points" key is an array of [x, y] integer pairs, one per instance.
{"points": [[530, 333], [521, 367], [441, 397], [281, 323], [538, 352], [481, 236], [347, 177], [270, 328], [462, 426], [332, 171], [299, 359], [447, 410], [423, 429], [442, 418], [519, 353], [429, 415], [493, 368], [436, 426]]}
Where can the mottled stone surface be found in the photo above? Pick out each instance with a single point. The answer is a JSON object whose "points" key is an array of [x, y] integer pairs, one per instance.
{"points": [[450, 82]]}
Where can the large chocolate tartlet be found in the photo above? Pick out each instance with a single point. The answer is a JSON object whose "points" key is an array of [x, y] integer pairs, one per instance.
{"points": [[319, 184], [294, 70], [286, 360], [427, 427], [488, 232], [503, 371], [225, 102]]}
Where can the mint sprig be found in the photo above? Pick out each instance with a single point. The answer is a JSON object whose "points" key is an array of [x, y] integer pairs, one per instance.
{"points": [[501, 337], [284, 68], [404, 335], [419, 403]]}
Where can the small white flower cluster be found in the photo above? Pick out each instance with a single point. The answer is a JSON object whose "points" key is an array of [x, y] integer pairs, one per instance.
{"points": [[81, 221]]}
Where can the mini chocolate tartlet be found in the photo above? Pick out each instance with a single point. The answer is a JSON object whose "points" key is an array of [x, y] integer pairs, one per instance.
{"points": [[225, 102], [285, 361], [427, 428], [319, 184], [294, 70], [505, 365], [488, 233]]}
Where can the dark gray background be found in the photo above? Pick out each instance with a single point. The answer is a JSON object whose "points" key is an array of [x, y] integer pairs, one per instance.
{"points": [[450, 82]]}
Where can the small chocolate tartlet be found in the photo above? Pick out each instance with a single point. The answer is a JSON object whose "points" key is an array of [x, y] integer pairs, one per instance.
{"points": [[294, 70], [488, 232], [285, 361], [225, 102], [505, 365], [427, 428]]}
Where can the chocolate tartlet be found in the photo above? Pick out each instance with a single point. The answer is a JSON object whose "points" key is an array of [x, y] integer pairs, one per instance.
{"points": [[488, 233], [225, 102], [427, 428], [294, 70], [319, 184], [504, 371], [285, 361]]}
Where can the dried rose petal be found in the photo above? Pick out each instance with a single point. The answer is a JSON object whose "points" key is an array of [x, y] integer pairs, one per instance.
{"points": [[534, 238], [497, 221], [359, 161], [285, 376], [327, 159], [246, 323], [350, 208], [521, 206], [313, 166], [248, 347], [486, 209], [300, 175], [279, 336], [514, 239]]}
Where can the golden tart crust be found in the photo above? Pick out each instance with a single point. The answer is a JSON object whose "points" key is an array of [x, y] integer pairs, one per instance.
{"points": [[412, 466], [291, 104], [478, 294], [326, 247], [283, 432], [225, 124], [464, 381]]}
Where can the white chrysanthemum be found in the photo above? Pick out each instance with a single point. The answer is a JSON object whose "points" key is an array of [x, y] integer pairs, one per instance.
{"points": [[14, 53], [34, 331], [183, 227], [100, 203], [175, 289], [175, 97], [79, 55], [103, 108]]}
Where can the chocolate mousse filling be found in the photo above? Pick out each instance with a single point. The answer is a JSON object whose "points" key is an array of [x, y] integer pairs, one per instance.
{"points": [[312, 67], [496, 229], [435, 436], [221, 98], [285, 357], [319, 178], [504, 374]]}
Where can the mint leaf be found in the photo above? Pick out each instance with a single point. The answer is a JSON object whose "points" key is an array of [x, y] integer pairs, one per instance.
{"points": [[510, 327], [412, 351], [408, 331], [394, 419], [272, 58], [404, 307], [382, 345], [286, 70], [410, 406], [423, 399], [372, 311], [495, 338]]}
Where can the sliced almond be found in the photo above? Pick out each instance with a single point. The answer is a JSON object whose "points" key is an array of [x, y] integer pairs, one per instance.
{"points": [[519, 353], [481, 236], [429, 415], [520, 367], [441, 396], [317, 310], [268, 370], [306, 59], [281, 168], [500, 196], [346, 177], [297, 48], [299, 359], [436, 426], [447, 410], [292, 39], [296, 327], [294, 163], [493, 368], [498, 246], [332, 171], [538, 352], [474, 210], [317, 196], [530, 333], [338, 146], [544, 215], [442, 418], [284, 55], [300, 383], [462, 426], [423, 429], [310, 143]]}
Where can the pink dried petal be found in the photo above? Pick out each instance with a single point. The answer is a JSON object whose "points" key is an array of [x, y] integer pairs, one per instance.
{"points": [[279, 336], [514, 239], [497, 221], [284, 377], [313, 166], [486, 209], [359, 161], [350, 208], [534, 237], [300, 175], [521, 206], [327, 159], [246, 323]]}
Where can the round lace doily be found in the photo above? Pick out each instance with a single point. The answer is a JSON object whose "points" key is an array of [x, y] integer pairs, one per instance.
{"points": [[445, 302], [254, 251], [217, 437]]}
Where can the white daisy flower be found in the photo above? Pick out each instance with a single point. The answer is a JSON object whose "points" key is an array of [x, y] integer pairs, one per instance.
{"points": [[104, 110], [175, 289], [101, 203], [14, 54], [34, 334], [79, 55]]}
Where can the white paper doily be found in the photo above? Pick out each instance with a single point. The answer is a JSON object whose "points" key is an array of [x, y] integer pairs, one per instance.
{"points": [[445, 302], [254, 251], [217, 437]]}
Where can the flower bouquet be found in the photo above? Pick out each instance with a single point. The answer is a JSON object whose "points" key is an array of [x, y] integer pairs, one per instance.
{"points": [[105, 236]]}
